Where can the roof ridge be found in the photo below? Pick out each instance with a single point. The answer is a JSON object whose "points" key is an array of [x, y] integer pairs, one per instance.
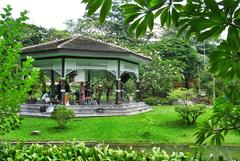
{"points": [[68, 41], [46, 43]]}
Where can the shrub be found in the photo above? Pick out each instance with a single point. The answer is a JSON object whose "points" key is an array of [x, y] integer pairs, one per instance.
{"points": [[151, 101], [183, 94], [190, 113], [164, 101], [62, 115]]}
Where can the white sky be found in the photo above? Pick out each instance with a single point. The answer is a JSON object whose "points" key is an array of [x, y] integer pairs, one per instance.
{"points": [[47, 13]]}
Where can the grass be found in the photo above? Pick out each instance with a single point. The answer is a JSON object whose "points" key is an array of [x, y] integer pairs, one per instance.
{"points": [[162, 125]]}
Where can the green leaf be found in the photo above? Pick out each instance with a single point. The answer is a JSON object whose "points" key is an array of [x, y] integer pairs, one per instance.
{"points": [[199, 24], [156, 4], [141, 3], [216, 31], [93, 6], [227, 4], [164, 15], [142, 28], [131, 8], [150, 20], [158, 12], [184, 21], [182, 29], [179, 7], [237, 15], [134, 25], [107, 5], [233, 37], [168, 21], [175, 16], [188, 34], [233, 7], [212, 4], [132, 17]]}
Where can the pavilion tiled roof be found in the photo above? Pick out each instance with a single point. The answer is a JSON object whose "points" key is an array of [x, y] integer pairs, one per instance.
{"points": [[79, 43]]}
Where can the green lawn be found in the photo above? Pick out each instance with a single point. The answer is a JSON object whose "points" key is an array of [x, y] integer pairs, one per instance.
{"points": [[166, 128]]}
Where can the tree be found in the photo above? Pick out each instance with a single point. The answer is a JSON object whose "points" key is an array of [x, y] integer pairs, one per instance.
{"points": [[159, 77], [33, 35], [203, 18], [16, 80], [114, 30], [173, 48], [189, 113], [54, 34]]}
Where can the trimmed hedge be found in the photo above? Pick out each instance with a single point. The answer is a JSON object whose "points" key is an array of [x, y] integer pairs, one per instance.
{"points": [[151, 101]]}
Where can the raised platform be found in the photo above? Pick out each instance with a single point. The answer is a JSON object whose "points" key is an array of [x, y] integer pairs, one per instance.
{"points": [[90, 110]]}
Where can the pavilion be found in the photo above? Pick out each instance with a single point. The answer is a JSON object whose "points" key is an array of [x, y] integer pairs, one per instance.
{"points": [[81, 54]]}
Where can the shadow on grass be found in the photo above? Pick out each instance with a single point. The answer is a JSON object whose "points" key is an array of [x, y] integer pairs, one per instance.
{"points": [[179, 124], [76, 120], [147, 136], [56, 129]]}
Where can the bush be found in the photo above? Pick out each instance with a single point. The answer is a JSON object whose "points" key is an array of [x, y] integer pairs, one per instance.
{"points": [[62, 115], [152, 101], [182, 94], [164, 101], [190, 113]]}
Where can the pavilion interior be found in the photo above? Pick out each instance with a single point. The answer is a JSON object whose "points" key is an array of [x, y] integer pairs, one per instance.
{"points": [[87, 82]]}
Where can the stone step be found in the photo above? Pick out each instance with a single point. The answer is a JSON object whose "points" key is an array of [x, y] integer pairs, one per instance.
{"points": [[141, 108], [87, 114], [29, 107], [90, 111]]}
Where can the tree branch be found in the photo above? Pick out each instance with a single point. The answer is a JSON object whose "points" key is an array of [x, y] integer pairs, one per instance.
{"points": [[223, 129]]}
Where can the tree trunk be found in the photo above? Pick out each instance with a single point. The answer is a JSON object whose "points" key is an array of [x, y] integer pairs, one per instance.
{"points": [[108, 94]]}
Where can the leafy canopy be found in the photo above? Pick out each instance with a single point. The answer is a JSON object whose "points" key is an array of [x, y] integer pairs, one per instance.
{"points": [[33, 35], [172, 48], [15, 79]]}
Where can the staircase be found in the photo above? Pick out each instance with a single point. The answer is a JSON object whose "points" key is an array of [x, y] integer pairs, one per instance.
{"points": [[90, 110]]}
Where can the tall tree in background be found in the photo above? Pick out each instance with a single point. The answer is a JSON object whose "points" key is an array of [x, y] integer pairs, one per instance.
{"points": [[16, 80], [172, 48], [114, 30], [33, 35], [159, 77], [205, 19]]}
